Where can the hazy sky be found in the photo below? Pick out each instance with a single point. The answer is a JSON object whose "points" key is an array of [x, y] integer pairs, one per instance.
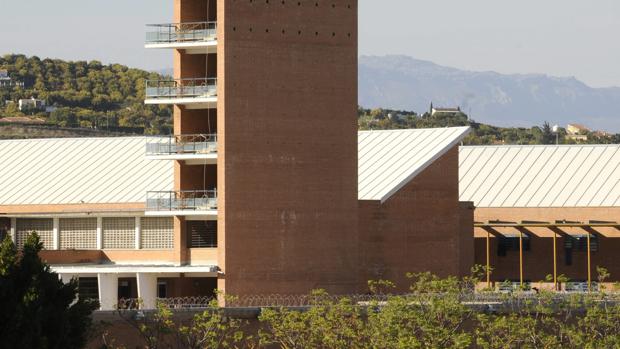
{"points": [[558, 37]]}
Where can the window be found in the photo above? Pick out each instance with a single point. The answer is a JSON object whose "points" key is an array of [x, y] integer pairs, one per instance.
{"points": [[119, 233], [505, 244], [162, 289], [157, 233], [78, 233], [43, 227], [202, 234], [580, 244], [124, 289], [88, 288]]}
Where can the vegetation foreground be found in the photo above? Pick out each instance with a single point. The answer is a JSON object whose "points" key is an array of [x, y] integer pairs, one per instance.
{"points": [[39, 311], [433, 315]]}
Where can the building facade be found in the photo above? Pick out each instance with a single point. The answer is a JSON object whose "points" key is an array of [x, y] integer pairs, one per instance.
{"points": [[89, 200], [544, 213], [410, 216], [257, 190]]}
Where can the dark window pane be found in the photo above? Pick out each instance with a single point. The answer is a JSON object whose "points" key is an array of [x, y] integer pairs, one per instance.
{"points": [[202, 234], [88, 288], [162, 290], [506, 244]]}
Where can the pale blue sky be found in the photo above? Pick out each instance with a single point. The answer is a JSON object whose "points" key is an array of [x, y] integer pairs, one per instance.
{"points": [[557, 37]]}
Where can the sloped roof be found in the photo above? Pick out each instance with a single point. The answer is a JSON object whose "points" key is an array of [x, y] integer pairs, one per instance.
{"points": [[116, 170], [74, 170], [388, 160], [540, 176]]}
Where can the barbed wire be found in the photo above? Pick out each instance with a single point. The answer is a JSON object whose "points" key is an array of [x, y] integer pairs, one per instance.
{"points": [[199, 302], [505, 300]]}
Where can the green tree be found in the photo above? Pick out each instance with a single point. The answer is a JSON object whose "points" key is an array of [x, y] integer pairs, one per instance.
{"points": [[209, 329], [547, 136], [38, 310], [599, 327], [327, 323], [431, 316]]}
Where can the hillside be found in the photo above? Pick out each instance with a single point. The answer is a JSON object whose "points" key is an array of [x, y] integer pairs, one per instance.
{"points": [[482, 134], [84, 94], [92, 99], [401, 82]]}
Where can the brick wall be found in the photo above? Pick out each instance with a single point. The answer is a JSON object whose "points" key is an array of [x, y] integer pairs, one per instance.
{"points": [[287, 125], [423, 227]]}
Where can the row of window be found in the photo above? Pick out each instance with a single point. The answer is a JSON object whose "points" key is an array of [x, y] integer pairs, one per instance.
{"points": [[117, 233], [571, 244], [81, 233]]}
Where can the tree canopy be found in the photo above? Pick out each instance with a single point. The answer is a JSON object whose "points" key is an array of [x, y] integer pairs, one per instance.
{"points": [[38, 310], [84, 94]]}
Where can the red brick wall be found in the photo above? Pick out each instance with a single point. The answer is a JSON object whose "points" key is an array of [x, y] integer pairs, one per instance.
{"points": [[423, 227], [195, 10], [288, 146]]}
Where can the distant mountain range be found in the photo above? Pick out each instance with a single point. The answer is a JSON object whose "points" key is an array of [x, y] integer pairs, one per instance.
{"points": [[401, 82]]}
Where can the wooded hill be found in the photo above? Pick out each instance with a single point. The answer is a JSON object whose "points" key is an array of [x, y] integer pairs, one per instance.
{"points": [[85, 94], [385, 119], [91, 98]]}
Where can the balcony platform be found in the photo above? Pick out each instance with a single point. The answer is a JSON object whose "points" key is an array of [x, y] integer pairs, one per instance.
{"points": [[192, 48], [192, 204], [192, 37], [129, 269], [192, 149], [188, 102], [194, 93], [189, 159], [196, 215]]}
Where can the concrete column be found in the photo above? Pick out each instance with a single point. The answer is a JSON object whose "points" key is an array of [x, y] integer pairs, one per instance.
{"points": [[99, 233], [56, 233], [180, 242], [138, 233], [147, 290], [13, 230], [108, 291]]}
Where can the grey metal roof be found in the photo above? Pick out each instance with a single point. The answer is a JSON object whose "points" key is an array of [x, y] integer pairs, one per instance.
{"points": [[76, 170], [116, 170], [388, 160], [540, 176]]}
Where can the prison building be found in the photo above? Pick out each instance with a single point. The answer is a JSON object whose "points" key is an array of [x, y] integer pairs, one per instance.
{"points": [[90, 201], [544, 212]]}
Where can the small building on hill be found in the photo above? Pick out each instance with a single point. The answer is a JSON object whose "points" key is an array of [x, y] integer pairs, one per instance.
{"points": [[31, 104], [577, 132], [6, 81], [445, 111]]}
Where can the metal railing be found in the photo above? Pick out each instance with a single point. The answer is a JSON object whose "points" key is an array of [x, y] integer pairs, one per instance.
{"points": [[181, 88], [181, 32], [183, 144], [185, 200]]}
